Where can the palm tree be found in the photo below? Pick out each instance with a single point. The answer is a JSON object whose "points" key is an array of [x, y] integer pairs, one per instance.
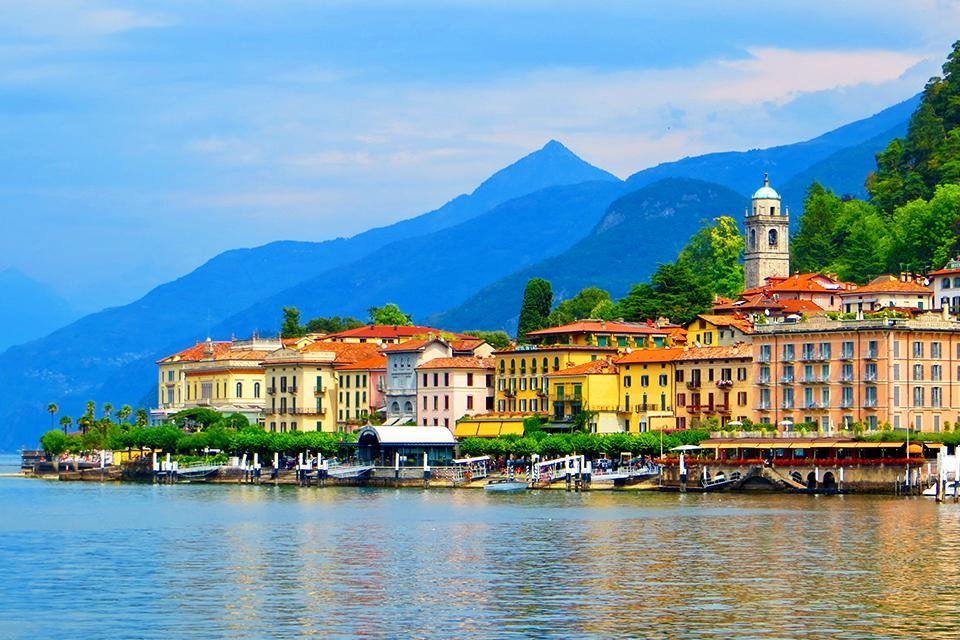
{"points": [[124, 412], [107, 409], [65, 422], [142, 417], [52, 409]]}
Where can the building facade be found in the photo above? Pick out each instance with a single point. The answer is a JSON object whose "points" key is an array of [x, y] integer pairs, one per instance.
{"points": [[648, 388], [451, 388], [360, 388], [883, 292], [589, 391], [768, 237], [714, 382], [901, 373]]}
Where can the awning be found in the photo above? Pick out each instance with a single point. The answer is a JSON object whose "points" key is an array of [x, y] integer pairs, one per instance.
{"points": [[489, 429], [465, 430], [933, 445]]}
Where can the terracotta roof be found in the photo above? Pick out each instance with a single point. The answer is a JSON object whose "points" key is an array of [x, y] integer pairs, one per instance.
{"points": [[385, 331], [466, 344], [643, 356], [457, 362], [800, 306], [593, 367], [540, 348], [741, 324], [741, 350], [806, 282], [198, 352], [374, 362], [889, 284], [599, 326], [347, 352]]}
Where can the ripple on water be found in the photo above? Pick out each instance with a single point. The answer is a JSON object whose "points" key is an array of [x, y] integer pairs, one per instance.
{"points": [[223, 561]]}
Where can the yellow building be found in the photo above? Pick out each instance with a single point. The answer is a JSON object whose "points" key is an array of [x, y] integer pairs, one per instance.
{"points": [[591, 387], [606, 333], [226, 376], [302, 385], [718, 330], [386, 334], [647, 388], [713, 382], [521, 374]]}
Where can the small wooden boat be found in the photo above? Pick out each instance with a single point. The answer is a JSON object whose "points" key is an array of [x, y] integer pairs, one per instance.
{"points": [[506, 486]]}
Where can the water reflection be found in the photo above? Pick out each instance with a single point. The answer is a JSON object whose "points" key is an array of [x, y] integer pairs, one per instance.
{"points": [[232, 561]]}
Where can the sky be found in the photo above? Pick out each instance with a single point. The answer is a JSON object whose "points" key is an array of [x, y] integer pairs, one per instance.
{"points": [[142, 138]]}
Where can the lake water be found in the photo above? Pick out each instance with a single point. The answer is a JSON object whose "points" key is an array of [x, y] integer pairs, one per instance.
{"points": [[196, 561]]}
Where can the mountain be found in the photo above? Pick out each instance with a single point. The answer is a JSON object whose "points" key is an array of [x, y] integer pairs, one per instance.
{"points": [[844, 171], [638, 231], [78, 362], [741, 170], [29, 309]]}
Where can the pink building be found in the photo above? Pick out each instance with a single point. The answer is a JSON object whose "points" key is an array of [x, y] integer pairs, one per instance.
{"points": [[886, 291], [364, 375], [901, 373], [451, 388]]}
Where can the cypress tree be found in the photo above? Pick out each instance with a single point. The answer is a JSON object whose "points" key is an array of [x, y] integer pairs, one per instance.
{"points": [[537, 300]]}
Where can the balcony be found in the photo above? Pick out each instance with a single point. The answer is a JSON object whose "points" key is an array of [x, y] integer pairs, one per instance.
{"points": [[846, 355], [694, 408], [870, 404], [870, 355], [542, 393], [724, 384], [787, 357], [271, 390], [282, 410], [808, 379], [846, 404], [763, 380], [786, 404], [808, 357], [847, 377], [292, 388], [763, 357], [643, 408], [786, 379], [870, 377], [812, 405], [510, 393], [693, 384], [710, 408], [723, 408], [319, 391], [763, 406]]}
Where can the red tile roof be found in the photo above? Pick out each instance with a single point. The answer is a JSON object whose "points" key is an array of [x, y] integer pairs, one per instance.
{"points": [[644, 356], [385, 331], [373, 363], [346, 352], [199, 352], [889, 284], [600, 326], [466, 344], [594, 367], [806, 283], [549, 348], [800, 306], [457, 362]]}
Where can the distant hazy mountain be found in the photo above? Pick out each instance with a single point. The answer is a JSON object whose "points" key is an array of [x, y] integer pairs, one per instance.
{"points": [[637, 232], [90, 358], [742, 171], [29, 309]]}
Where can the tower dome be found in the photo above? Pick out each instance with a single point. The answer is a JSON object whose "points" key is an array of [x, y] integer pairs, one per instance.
{"points": [[766, 192]]}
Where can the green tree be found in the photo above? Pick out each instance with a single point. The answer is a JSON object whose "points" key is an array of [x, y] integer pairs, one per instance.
{"points": [[578, 307], [65, 422], [496, 339], [537, 301], [814, 245], [142, 417], [923, 234], [124, 412], [52, 409], [605, 310], [291, 327], [713, 255], [674, 292], [333, 324], [865, 245], [107, 409], [389, 314]]}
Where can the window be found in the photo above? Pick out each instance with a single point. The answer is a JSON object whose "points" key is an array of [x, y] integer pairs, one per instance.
{"points": [[627, 381], [936, 372], [469, 379], [424, 380], [663, 379], [918, 372], [772, 234], [936, 397], [446, 379], [788, 352], [917, 349], [918, 396], [935, 350], [556, 364], [742, 398], [436, 378], [753, 239], [469, 402], [239, 389], [644, 381], [424, 403], [283, 383]]}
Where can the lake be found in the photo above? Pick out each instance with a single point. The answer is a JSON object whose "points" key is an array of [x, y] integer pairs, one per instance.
{"points": [[197, 561]]}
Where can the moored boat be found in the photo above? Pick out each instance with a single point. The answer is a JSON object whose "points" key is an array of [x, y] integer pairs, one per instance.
{"points": [[506, 486]]}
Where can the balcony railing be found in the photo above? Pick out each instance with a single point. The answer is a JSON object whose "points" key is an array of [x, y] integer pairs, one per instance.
{"points": [[694, 408], [763, 380], [763, 406], [871, 354], [319, 391], [723, 408], [693, 384], [870, 377], [292, 388], [641, 408], [510, 393], [846, 377], [846, 404], [786, 404], [311, 411], [271, 390], [724, 384], [870, 404], [846, 355], [763, 357], [786, 379]]}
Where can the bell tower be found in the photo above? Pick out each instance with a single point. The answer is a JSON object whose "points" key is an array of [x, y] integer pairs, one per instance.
{"points": [[768, 237]]}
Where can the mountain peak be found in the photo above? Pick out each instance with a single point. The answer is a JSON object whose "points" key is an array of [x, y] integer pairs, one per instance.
{"points": [[551, 165]]}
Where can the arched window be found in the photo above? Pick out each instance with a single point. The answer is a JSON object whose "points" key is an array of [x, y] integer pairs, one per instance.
{"points": [[753, 239], [956, 282], [239, 389], [945, 283], [256, 389], [407, 406], [544, 365], [556, 363], [395, 407], [772, 237]]}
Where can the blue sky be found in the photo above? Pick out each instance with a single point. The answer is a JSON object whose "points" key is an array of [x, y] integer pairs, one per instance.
{"points": [[142, 138]]}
